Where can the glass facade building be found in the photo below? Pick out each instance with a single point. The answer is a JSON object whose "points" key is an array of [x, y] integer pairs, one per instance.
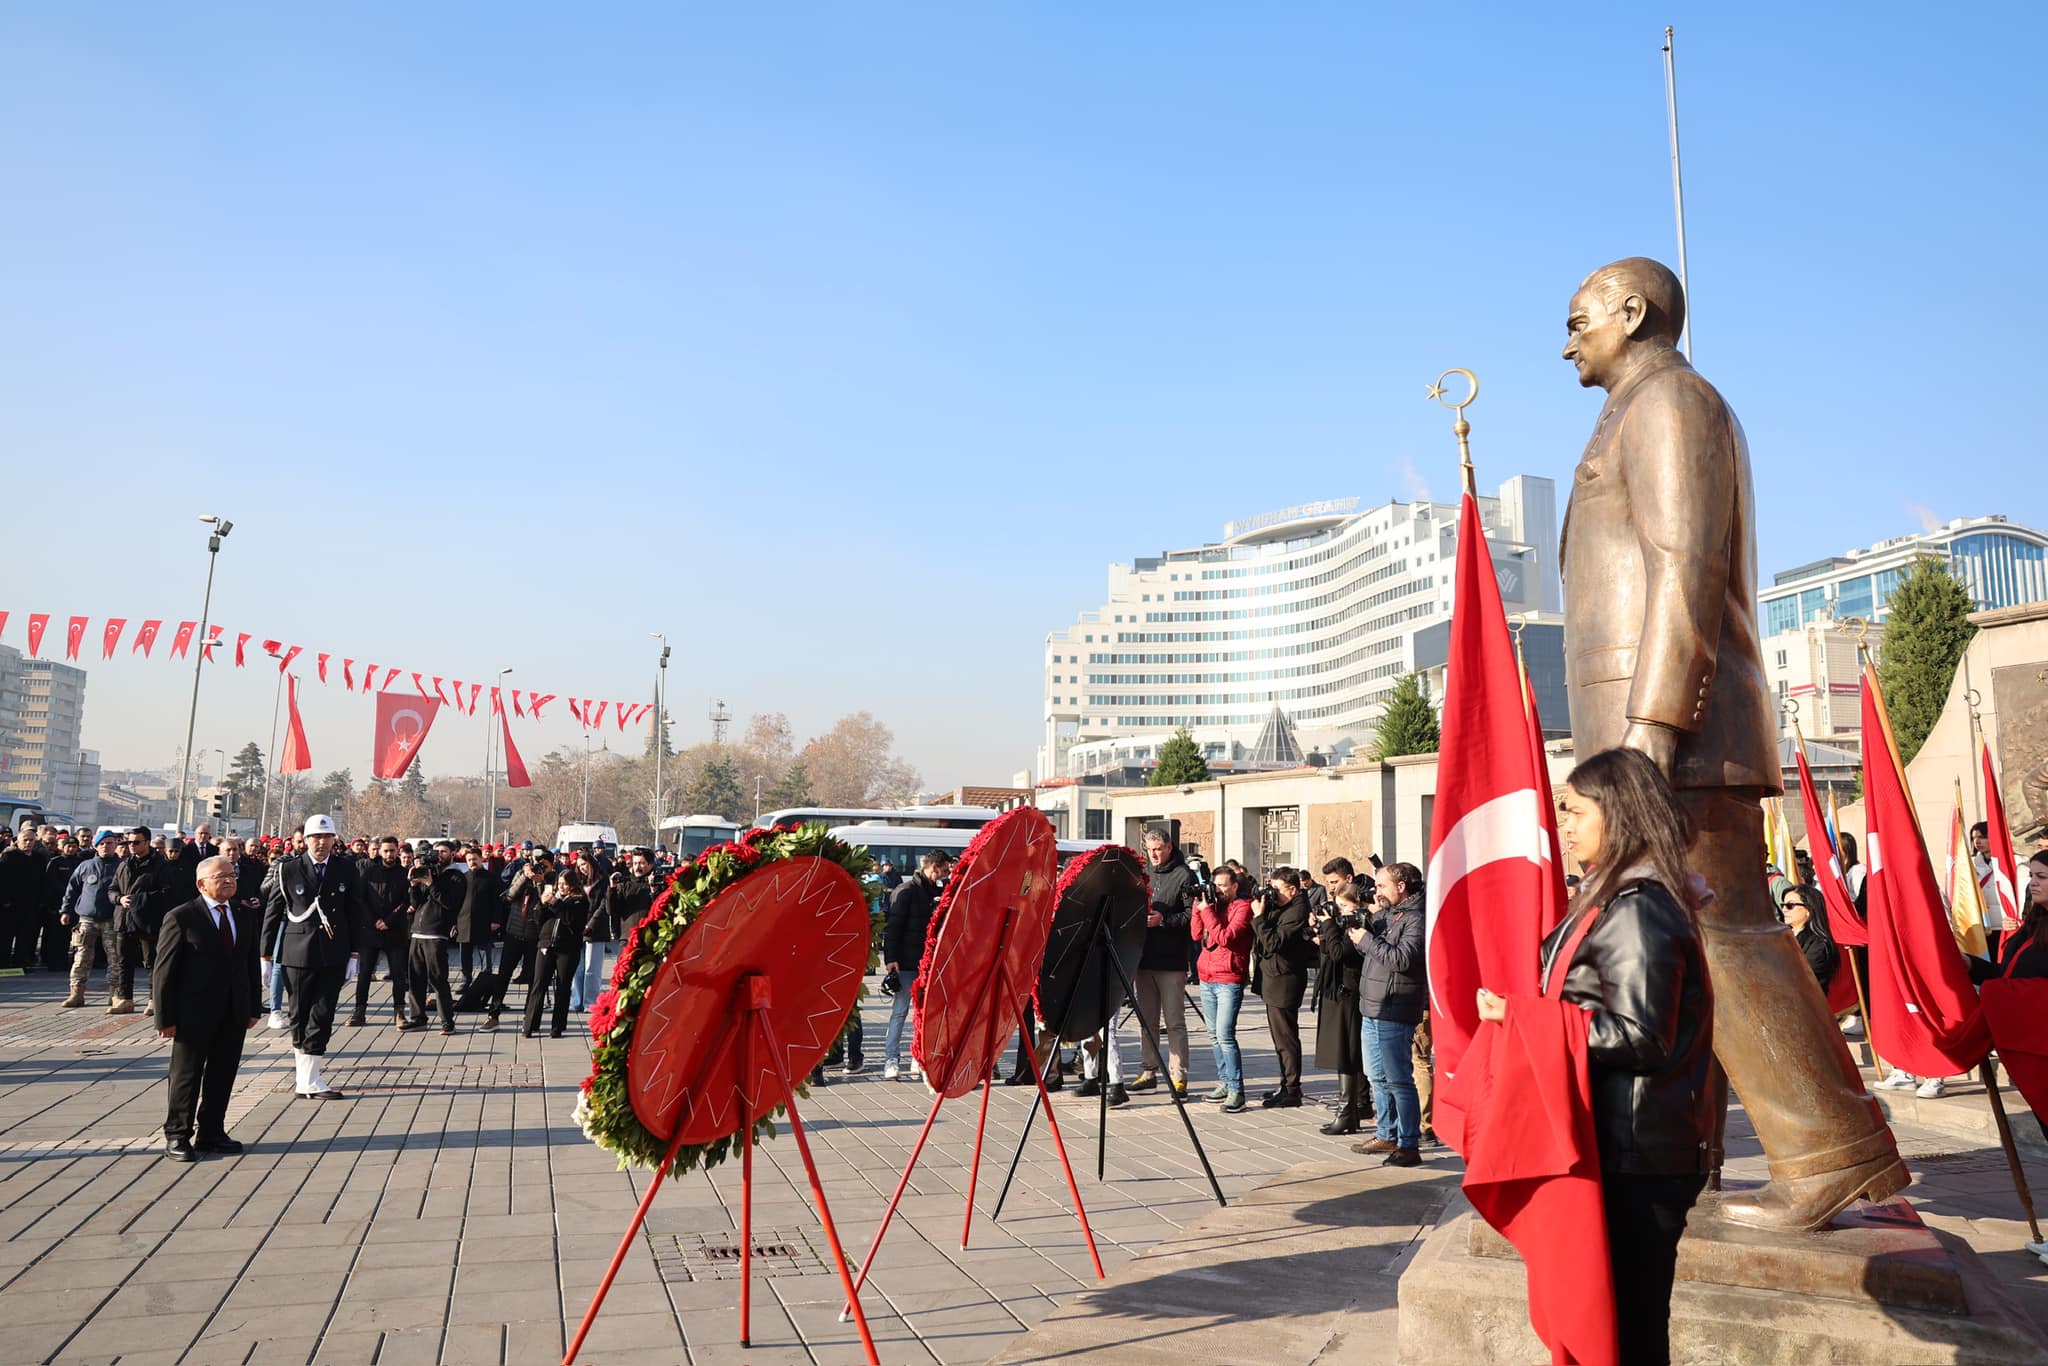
{"points": [[2002, 563]]}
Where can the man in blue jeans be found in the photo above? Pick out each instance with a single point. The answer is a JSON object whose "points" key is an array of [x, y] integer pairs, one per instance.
{"points": [[910, 916], [1393, 991]]}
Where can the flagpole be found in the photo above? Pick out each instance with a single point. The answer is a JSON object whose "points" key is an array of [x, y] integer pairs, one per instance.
{"points": [[1848, 950], [1461, 427], [1677, 181]]}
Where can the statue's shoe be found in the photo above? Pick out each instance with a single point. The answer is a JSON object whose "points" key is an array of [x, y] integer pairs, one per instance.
{"points": [[1806, 1203]]}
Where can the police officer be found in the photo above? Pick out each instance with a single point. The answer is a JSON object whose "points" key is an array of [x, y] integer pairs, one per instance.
{"points": [[316, 902]]}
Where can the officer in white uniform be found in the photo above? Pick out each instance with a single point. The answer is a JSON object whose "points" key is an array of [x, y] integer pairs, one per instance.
{"points": [[316, 898]]}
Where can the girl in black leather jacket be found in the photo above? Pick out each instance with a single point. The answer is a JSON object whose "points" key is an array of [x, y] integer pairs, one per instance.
{"points": [[1641, 975]]}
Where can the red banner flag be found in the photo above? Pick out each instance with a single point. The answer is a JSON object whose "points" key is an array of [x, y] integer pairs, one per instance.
{"points": [[599, 721], [437, 690], [2004, 853], [271, 647], [402, 724], [391, 674], [241, 648], [1848, 927], [348, 675], [1924, 1015], [515, 767], [322, 663], [182, 640], [212, 639], [296, 757], [1488, 855], [289, 655], [535, 701], [3, 623], [38, 622], [369, 677], [517, 710], [576, 710], [497, 702], [145, 638], [110, 636], [74, 636]]}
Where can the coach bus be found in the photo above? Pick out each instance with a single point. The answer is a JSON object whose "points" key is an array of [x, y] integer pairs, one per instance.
{"points": [[689, 836], [901, 847], [969, 818]]}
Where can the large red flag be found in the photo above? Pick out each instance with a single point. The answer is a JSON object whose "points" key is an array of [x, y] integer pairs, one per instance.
{"points": [[515, 767], [145, 637], [1924, 1015], [74, 635], [38, 622], [1488, 851], [1848, 926], [296, 758], [2004, 856], [403, 720], [111, 636], [1554, 896]]}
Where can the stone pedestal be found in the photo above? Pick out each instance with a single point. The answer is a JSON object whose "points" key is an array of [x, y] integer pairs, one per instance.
{"points": [[1876, 1288]]}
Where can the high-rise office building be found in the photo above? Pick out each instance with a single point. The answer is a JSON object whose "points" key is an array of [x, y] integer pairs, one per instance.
{"points": [[2002, 563], [42, 714]]}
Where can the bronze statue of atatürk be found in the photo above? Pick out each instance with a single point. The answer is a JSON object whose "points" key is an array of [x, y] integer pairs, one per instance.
{"points": [[1661, 640]]}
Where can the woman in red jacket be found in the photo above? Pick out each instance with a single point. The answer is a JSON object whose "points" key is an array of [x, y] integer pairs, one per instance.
{"points": [[1222, 925]]}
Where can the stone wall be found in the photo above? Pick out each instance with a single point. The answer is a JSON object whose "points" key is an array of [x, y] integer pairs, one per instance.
{"points": [[1340, 829]]}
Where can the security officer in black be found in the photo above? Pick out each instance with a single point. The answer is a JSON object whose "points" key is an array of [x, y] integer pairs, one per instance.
{"points": [[385, 927], [318, 899]]}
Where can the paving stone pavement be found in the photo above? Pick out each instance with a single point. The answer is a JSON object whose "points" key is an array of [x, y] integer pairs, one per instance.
{"points": [[451, 1211]]}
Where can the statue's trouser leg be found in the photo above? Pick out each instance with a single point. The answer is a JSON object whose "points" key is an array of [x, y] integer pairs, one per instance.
{"points": [[1785, 1059]]}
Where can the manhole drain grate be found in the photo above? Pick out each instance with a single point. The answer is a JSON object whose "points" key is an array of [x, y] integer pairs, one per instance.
{"points": [[715, 1256]]}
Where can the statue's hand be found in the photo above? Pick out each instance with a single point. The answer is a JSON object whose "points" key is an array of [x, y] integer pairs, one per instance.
{"points": [[1659, 742]]}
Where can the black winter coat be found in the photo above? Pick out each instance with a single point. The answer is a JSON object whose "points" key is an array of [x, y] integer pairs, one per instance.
{"points": [[1643, 977], [1173, 896], [480, 902], [385, 898], [1338, 1046], [523, 905], [627, 904], [147, 883], [1821, 955], [1393, 985], [910, 915], [1286, 957], [563, 921]]}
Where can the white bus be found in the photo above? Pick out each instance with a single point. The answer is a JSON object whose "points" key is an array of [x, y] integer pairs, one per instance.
{"points": [[901, 848], [969, 818], [689, 836]]}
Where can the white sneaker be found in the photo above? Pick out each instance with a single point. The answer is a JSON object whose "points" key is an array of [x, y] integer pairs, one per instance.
{"points": [[1898, 1081], [1932, 1089], [890, 1071], [1852, 1026], [278, 1021]]}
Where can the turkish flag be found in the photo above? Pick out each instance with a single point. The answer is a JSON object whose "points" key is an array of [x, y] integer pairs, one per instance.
{"points": [[296, 757], [2006, 874], [1849, 930], [2016, 1010], [111, 636], [242, 647], [323, 668], [390, 674], [145, 638], [1924, 1014], [3, 622], [348, 675], [38, 622], [535, 701], [293, 653], [212, 639], [403, 720], [1533, 1170], [599, 721], [1490, 862], [515, 767], [517, 710], [74, 634]]}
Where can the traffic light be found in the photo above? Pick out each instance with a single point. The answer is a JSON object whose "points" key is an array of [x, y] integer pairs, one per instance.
{"points": [[217, 805], [447, 829]]}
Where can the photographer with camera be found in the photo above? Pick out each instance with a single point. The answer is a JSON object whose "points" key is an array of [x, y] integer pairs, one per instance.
{"points": [[1393, 991], [631, 896], [437, 894], [1222, 927], [1340, 909], [1287, 956], [525, 909], [1162, 975], [384, 928]]}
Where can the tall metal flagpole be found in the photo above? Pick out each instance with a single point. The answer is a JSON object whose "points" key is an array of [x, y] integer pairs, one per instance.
{"points": [[1677, 185]]}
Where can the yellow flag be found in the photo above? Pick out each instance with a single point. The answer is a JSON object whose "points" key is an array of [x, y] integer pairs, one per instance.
{"points": [[1771, 832], [1965, 897]]}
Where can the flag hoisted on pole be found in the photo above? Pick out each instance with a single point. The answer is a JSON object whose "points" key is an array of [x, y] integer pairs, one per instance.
{"points": [[1965, 897], [2004, 856], [1493, 888]]}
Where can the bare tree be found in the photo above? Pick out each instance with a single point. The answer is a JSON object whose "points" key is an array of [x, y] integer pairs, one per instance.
{"points": [[853, 764]]}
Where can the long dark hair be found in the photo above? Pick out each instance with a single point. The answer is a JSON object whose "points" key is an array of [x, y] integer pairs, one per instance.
{"points": [[2033, 913], [1816, 909], [1644, 825]]}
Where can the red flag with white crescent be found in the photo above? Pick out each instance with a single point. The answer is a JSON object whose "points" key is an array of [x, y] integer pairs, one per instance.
{"points": [[241, 647], [38, 622], [497, 701], [515, 767], [1847, 926], [145, 638], [535, 701], [437, 690], [323, 668], [348, 675], [517, 710], [110, 637], [2004, 861], [576, 710], [289, 655], [1924, 1013], [296, 757], [74, 636], [182, 641], [599, 721], [403, 720], [212, 639], [390, 674]]}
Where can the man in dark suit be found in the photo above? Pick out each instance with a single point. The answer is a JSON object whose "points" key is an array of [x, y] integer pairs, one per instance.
{"points": [[316, 901], [205, 989]]}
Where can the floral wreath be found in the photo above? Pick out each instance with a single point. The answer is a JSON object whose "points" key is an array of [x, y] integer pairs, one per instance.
{"points": [[603, 1105], [1072, 874]]}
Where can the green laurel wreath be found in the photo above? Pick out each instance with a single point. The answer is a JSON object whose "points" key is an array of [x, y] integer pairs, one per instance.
{"points": [[603, 1107]]}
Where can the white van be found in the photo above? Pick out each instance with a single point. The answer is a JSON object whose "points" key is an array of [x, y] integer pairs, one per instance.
{"points": [[570, 838]]}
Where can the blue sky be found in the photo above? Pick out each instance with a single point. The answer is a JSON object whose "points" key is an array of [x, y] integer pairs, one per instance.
{"points": [[848, 344]]}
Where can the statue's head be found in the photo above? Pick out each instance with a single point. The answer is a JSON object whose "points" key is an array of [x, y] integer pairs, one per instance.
{"points": [[1619, 311]]}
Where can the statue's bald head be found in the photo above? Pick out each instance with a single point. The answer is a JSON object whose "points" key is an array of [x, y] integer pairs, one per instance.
{"points": [[1652, 282]]}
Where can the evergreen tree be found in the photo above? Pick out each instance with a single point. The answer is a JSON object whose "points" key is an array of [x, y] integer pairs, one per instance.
{"points": [[1180, 762], [245, 778], [792, 789], [716, 792], [414, 786], [1409, 724], [332, 795], [659, 731], [1924, 638]]}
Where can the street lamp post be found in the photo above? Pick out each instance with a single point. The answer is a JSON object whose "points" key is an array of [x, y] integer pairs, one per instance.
{"points": [[220, 530], [660, 727], [491, 777], [585, 817], [263, 815]]}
